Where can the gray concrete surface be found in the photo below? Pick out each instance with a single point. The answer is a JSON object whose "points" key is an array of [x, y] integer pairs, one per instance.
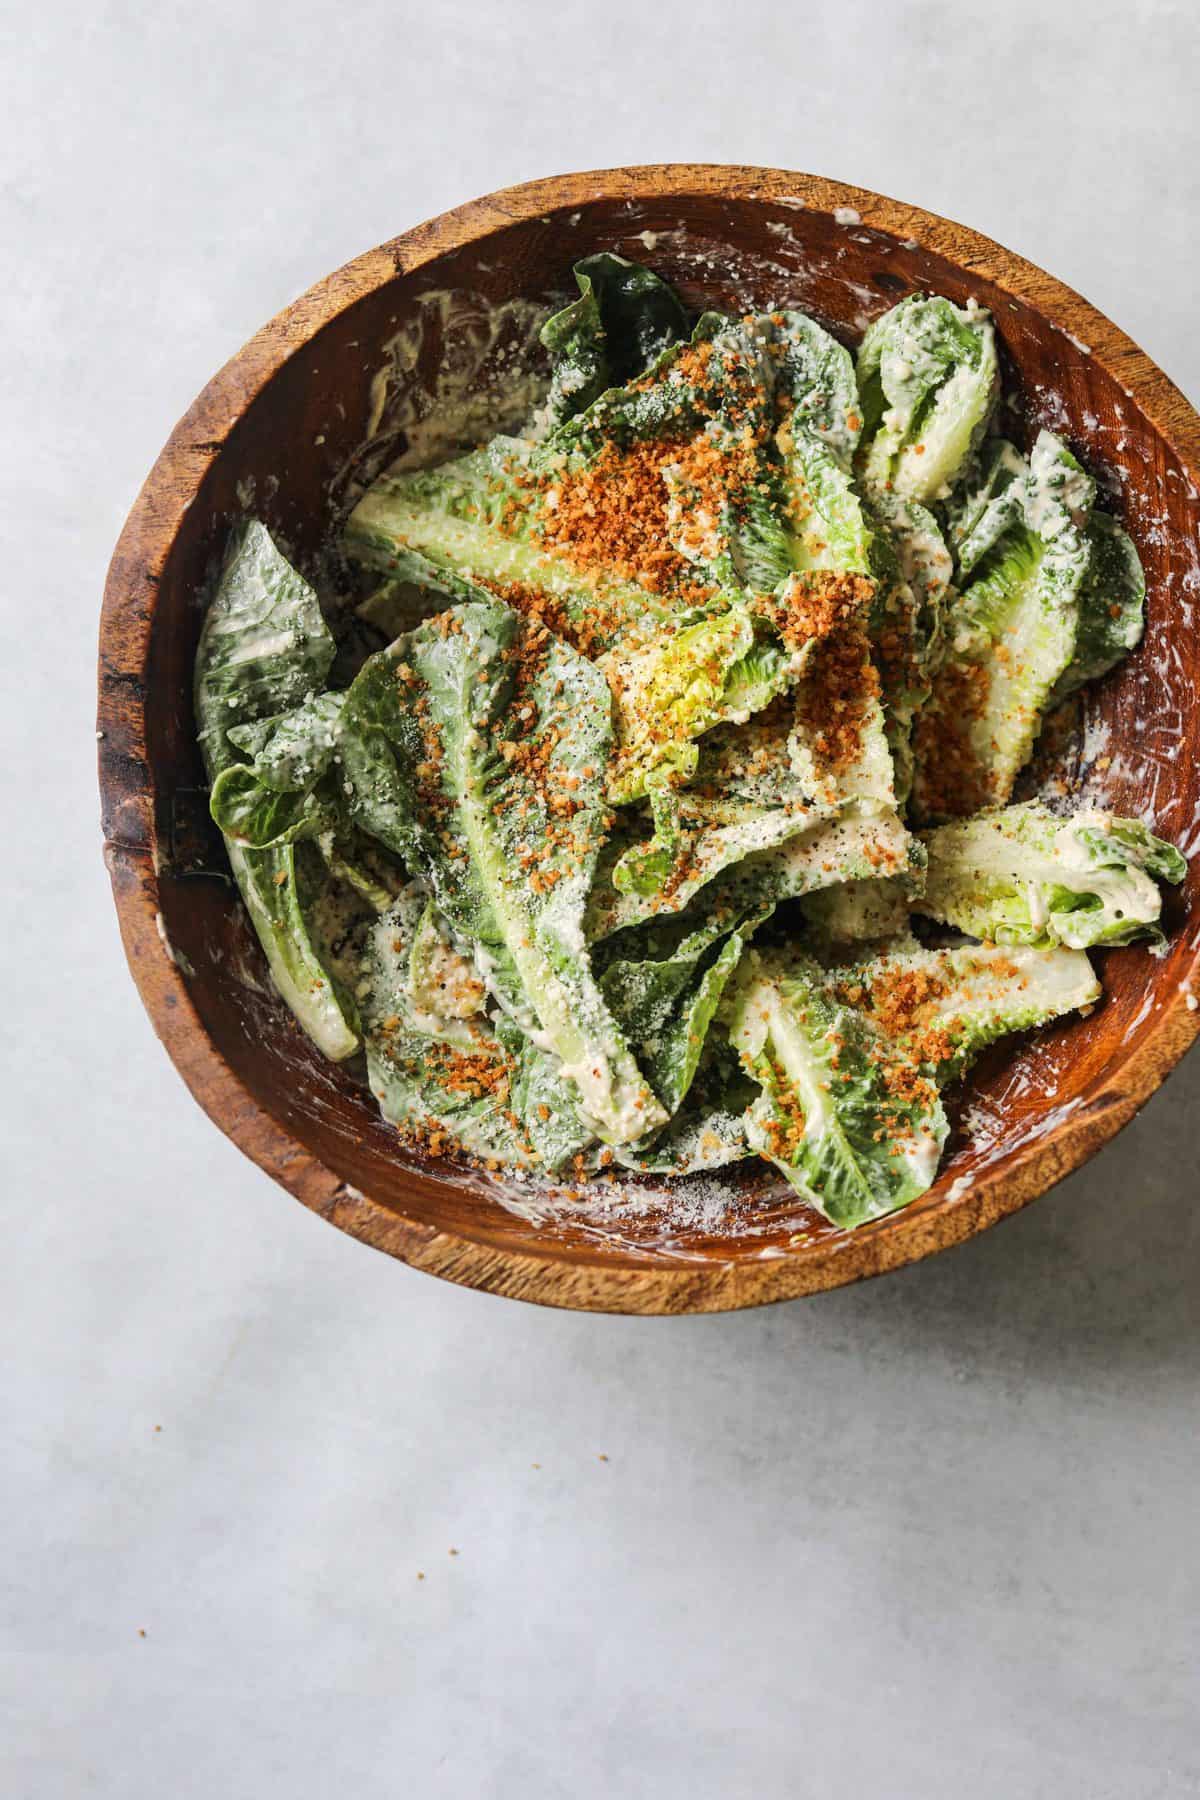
{"points": [[933, 1537]]}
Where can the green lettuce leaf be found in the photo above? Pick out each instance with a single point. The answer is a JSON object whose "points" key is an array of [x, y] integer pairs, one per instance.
{"points": [[986, 504], [941, 1008], [1111, 607], [475, 749], [928, 381], [646, 868], [913, 572], [853, 1125], [710, 1129], [664, 985], [1026, 876], [765, 779], [858, 912], [447, 1083], [265, 647], [723, 491], [679, 394], [763, 862], [499, 1096], [817, 440], [1011, 637], [287, 791], [623, 320], [473, 524], [668, 690], [546, 1103], [265, 650]]}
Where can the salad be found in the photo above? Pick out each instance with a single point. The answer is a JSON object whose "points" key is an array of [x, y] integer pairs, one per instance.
{"points": [[666, 818]]}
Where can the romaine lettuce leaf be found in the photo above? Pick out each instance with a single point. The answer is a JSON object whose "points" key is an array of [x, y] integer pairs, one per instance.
{"points": [[545, 1102], [265, 650], [765, 859], [838, 743], [724, 663], [812, 751], [411, 966], [474, 524], [287, 791], [913, 570], [446, 1083], [623, 320], [709, 1130], [928, 381], [857, 912], [647, 867], [1011, 637], [817, 441], [440, 1064], [701, 424], [700, 853], [720, 375], [475, 749], [747, 793], [664, 984], [817, 382], [445, 994], [363, 866], [986, 504], [1111, 607], [283, 890], [854, 1126], [1026, 876], [942, 1007], [447, 1098]]}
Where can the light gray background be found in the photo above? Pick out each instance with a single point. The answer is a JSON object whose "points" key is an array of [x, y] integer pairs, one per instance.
{"points": [[935, 1536]]}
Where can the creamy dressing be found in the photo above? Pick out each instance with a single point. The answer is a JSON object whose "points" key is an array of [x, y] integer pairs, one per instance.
{"points": [[459, 370]]}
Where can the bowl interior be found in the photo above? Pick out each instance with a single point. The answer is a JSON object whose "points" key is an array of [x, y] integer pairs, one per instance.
{"points": [[415, 363]]}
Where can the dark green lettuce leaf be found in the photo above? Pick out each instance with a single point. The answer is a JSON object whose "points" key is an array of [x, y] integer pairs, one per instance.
{"points": [[1111, 607], [446, 1082], [265, 647], [287, 791], [710, 1129], [854, 1126], [265, 650], [476, 750], [623, 320], [986, 504], [676, 393], [664, 984]]}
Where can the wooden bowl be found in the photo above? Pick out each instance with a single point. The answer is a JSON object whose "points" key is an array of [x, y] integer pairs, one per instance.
{"points": [[281, 431]]}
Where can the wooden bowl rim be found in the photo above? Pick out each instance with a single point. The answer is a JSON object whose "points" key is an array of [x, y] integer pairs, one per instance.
{"points": [[132, 853]]}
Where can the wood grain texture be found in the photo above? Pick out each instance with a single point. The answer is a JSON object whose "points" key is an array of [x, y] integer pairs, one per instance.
{"points": [[287, 413]]}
